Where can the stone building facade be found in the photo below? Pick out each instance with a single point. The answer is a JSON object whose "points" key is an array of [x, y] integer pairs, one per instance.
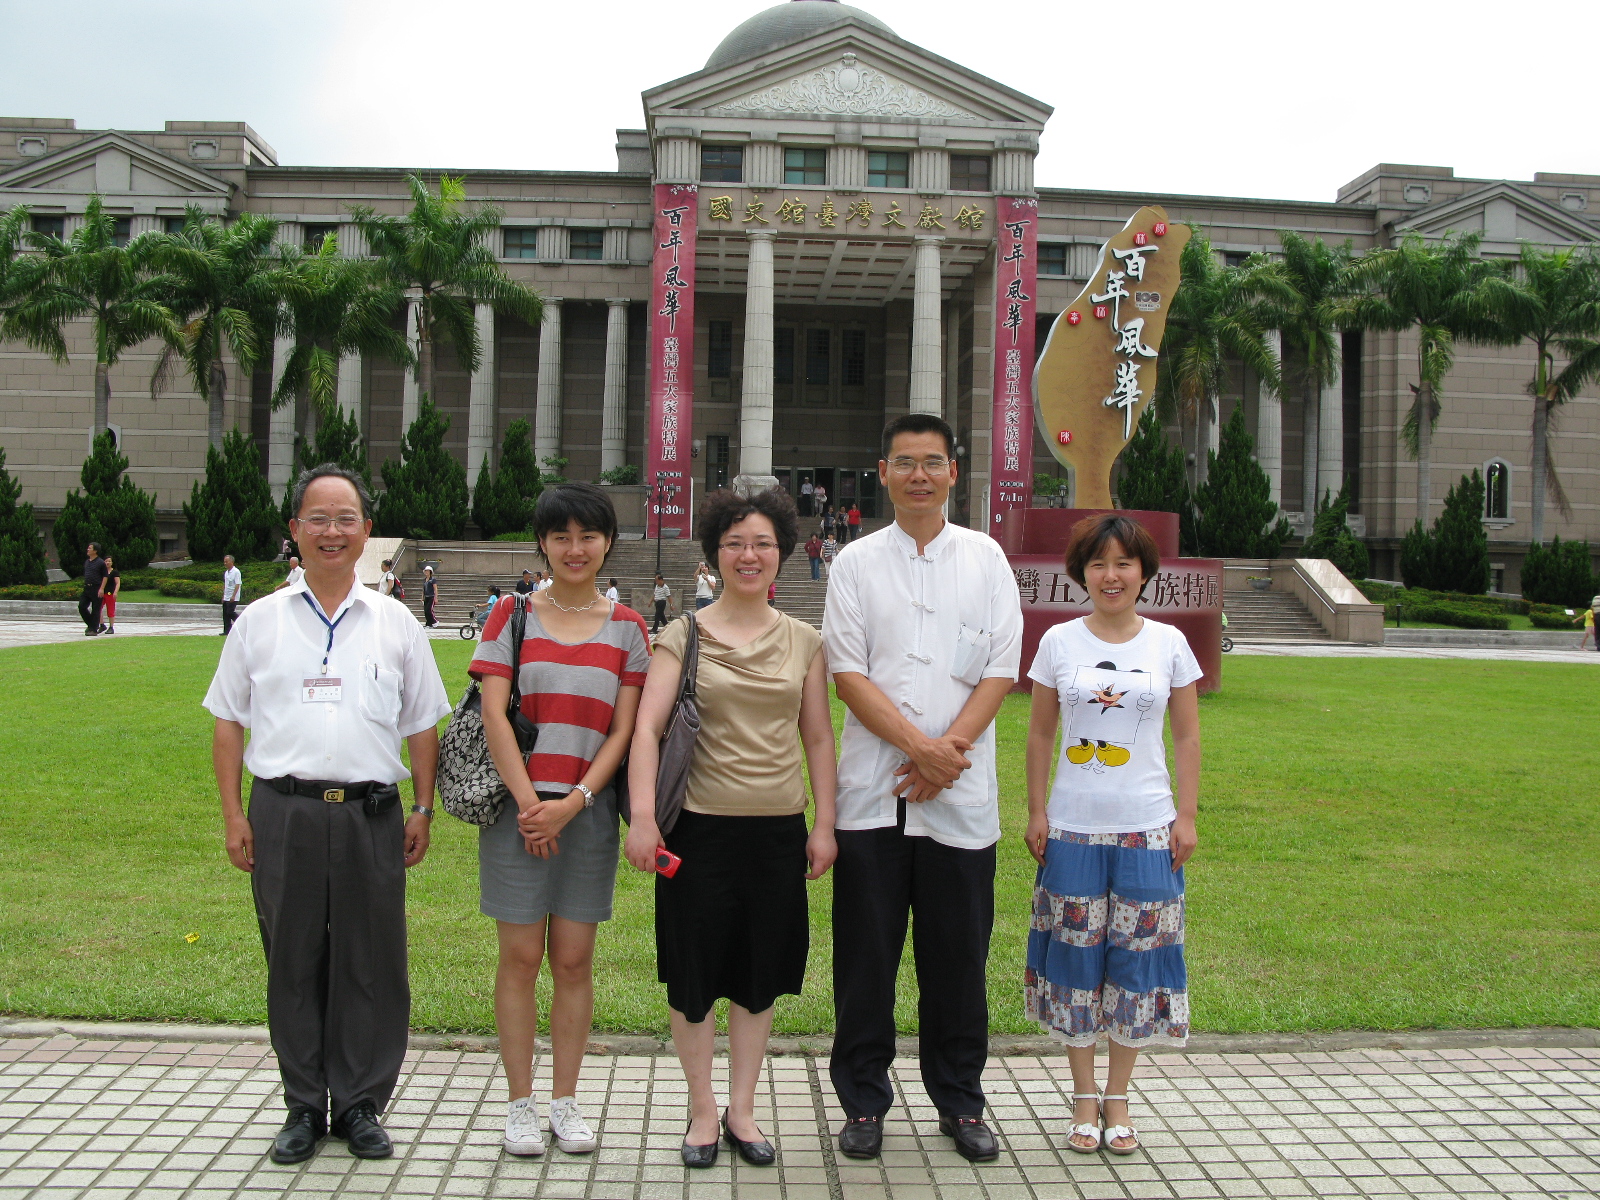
{"points": [[843, 191]]}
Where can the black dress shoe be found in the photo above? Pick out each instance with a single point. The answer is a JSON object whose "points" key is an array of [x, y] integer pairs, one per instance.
{"points": [[861, 1137], [757, 1154], [359, 1126], [297, 1140], [698, 1156], [973, 1139]]}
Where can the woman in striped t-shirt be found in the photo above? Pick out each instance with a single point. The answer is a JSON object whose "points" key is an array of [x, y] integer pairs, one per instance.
{"points": [[547, 871]]}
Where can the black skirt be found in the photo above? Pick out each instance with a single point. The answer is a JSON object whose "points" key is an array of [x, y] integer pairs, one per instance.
{"points": [[733, 921]]}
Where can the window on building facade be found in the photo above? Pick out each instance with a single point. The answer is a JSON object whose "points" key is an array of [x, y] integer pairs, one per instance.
{"points": [[783, 355], [172, 224], [969, 173], [805, 166], [819, 356], [1052, 258], [55, 227], [853, 357], [521, 242], [722, 164], [888, 168], [314, 235], [586, 243], [1497, 490], [1234, 258], [719, 359], [717, 460]]}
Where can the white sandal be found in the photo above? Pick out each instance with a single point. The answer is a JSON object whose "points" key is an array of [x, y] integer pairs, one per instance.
{"points": [[1086, 1129], [1113, 1132]]}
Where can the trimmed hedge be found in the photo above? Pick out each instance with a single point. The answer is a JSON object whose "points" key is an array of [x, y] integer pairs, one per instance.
{"points": [[1460, 616], [1557, 620], [42, 591]]}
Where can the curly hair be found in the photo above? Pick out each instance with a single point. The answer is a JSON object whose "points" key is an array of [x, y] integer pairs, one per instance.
{"points": [[723, 509]]}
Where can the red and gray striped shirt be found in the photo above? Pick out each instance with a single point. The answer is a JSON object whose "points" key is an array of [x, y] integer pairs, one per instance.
{"points": [[568, 690]]}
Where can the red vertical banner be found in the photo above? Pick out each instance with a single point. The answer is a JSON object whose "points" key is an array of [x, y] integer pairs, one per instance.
{"points": [[1016, 280], [667, 458]]}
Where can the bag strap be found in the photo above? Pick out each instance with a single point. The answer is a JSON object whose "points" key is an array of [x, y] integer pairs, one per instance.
{"points": [[519, 627], [691, 660]]}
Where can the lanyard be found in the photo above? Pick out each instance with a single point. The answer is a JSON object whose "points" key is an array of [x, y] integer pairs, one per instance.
{"points": [[332, 625]]}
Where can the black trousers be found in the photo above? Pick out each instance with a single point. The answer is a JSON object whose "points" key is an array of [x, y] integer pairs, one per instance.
{"points": [[661, 615], [330, 893], [427, 611], [230, 609], [89, 606], [881, 877]]}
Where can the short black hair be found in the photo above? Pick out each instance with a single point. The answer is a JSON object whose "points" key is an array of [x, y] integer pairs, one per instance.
{"points": [[333, 470], [1092, 535], [95, 546], [918, 423], [723, 509], [579, 501]]}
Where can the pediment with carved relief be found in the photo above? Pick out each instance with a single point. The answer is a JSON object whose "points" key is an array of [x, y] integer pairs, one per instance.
{"points": [[111, 165], [847, 88], [1504, 215]]}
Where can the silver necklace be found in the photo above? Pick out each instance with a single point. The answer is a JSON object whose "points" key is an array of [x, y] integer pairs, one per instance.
{"points": [[580, 608]]}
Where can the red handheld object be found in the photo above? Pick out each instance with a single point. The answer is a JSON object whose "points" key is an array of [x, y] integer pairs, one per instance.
{"points": [[667, 863]]}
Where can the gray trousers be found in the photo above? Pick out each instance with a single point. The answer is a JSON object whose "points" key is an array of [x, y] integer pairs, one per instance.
{"points": [[330, 893]]}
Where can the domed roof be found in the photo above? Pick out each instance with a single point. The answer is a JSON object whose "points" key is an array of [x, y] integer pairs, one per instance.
{"points": [[782, 24]]}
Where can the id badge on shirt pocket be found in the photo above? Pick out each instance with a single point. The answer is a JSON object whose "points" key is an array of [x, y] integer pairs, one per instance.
{"points": [[972, 655]]}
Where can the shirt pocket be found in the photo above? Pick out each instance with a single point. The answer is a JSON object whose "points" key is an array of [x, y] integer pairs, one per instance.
{"points": [[380, 694], [971, 655]]}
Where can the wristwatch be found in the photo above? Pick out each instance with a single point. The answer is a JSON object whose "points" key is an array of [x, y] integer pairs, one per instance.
{"points": [[423, 810], [588, 796]]}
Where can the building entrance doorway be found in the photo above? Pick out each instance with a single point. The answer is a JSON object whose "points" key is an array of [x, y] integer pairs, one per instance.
{"points": [[842, 485]]}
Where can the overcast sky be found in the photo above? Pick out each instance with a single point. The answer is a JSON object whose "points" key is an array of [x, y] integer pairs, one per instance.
{"points": [[1235, 97]]}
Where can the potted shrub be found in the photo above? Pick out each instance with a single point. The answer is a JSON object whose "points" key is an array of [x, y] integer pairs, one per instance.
{"points": [[1260, 583]]}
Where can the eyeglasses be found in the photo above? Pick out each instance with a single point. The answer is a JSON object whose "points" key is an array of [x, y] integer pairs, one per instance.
{"points": [[740, 547], [934, 465], [344, 524]]}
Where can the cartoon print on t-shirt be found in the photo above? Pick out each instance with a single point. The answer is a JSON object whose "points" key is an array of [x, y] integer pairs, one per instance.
{"points": [[1103, 726]]}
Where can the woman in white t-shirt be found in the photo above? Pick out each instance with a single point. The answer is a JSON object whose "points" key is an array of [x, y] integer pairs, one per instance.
{"points": [[1105, 955]]}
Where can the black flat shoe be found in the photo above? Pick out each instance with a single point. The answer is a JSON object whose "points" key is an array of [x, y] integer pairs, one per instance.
{"points": [[359, 1126], [973, 1139], [757, 1154], [861, 1137], [297, 1140], [698, 1157]]}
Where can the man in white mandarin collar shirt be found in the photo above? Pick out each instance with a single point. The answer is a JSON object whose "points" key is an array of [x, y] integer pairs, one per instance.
{"points": [[329, 677], [923, 629]]}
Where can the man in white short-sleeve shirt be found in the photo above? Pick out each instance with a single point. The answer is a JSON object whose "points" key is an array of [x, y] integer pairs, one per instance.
{"points": [[329, 678], [923, 629], [232, 590]]}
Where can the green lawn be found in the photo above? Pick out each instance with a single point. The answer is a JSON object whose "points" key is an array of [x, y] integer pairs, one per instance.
{"points": [[1384, 844]]}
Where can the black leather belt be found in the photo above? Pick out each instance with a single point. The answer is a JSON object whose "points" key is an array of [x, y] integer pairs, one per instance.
{"points": [[375, 798]]}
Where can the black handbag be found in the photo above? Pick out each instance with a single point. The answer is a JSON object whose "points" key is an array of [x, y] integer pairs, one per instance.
{"points": [[470, 787]]}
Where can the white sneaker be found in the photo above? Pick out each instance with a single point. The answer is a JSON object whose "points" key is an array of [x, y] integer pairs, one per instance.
{"points": [[522, 1128], [572, 1132]]}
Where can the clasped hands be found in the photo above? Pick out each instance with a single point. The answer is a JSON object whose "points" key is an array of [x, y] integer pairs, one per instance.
{"points": [[540, 823], [934, 765]]}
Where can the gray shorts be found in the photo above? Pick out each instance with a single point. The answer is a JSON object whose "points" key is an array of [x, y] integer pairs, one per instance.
{"points": [[577, 884]]}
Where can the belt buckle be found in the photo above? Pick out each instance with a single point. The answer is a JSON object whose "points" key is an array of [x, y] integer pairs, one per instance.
{"points": [[333, 796]]}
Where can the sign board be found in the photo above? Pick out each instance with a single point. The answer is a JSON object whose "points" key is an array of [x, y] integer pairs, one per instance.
{"points": [[667, 458], [1016, 281]]}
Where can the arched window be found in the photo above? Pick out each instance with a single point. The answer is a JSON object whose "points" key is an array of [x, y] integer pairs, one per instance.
{"points": [[1497, 490]]}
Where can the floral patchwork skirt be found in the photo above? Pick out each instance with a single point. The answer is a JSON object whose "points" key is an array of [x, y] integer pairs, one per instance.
{"points": [[1105, 953]]}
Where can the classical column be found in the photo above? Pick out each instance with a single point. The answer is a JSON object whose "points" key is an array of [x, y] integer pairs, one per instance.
{"points": [[349, 389], [614, 405], [755, 408], [927, 385], [280, 430], [480, 402], [1269, 424], [952, 364], [1330, 433], [547, 419], [411, 389]]}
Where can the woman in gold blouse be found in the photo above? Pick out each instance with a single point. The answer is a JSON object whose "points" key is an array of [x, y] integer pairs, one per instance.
{"points": [[732, 921]]}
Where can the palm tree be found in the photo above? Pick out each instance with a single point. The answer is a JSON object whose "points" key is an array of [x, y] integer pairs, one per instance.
{"points": [[1438, 290], [223, 297], [436, 253], [1219, 313], [1317, 278], [332, 306], [1551, 299], [113, 286]]}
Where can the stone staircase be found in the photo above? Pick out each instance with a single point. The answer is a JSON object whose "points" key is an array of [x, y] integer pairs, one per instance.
{"points": [[1270, 616]]}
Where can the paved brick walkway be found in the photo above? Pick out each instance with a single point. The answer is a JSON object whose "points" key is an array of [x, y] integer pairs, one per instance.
{"points": [[105, 1120]]}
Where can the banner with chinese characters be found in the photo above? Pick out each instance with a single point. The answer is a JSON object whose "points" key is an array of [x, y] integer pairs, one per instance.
{"points": [[1098, 369], [1016, 279], [667, 458]]}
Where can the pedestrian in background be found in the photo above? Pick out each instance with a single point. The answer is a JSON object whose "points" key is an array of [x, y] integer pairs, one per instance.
{"points": [[662, 594], [855, 521], [89, 601], [732, 921], [819, 497], [1587, 619], [329, 680], [705, 586], [830, 551], [232, 590], [295, 575], [430, 595], [1105, 955], [546, 579], [807, 492], [110, 585], [814, 553], [611, 591], [528, 583], [830, 523]]}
